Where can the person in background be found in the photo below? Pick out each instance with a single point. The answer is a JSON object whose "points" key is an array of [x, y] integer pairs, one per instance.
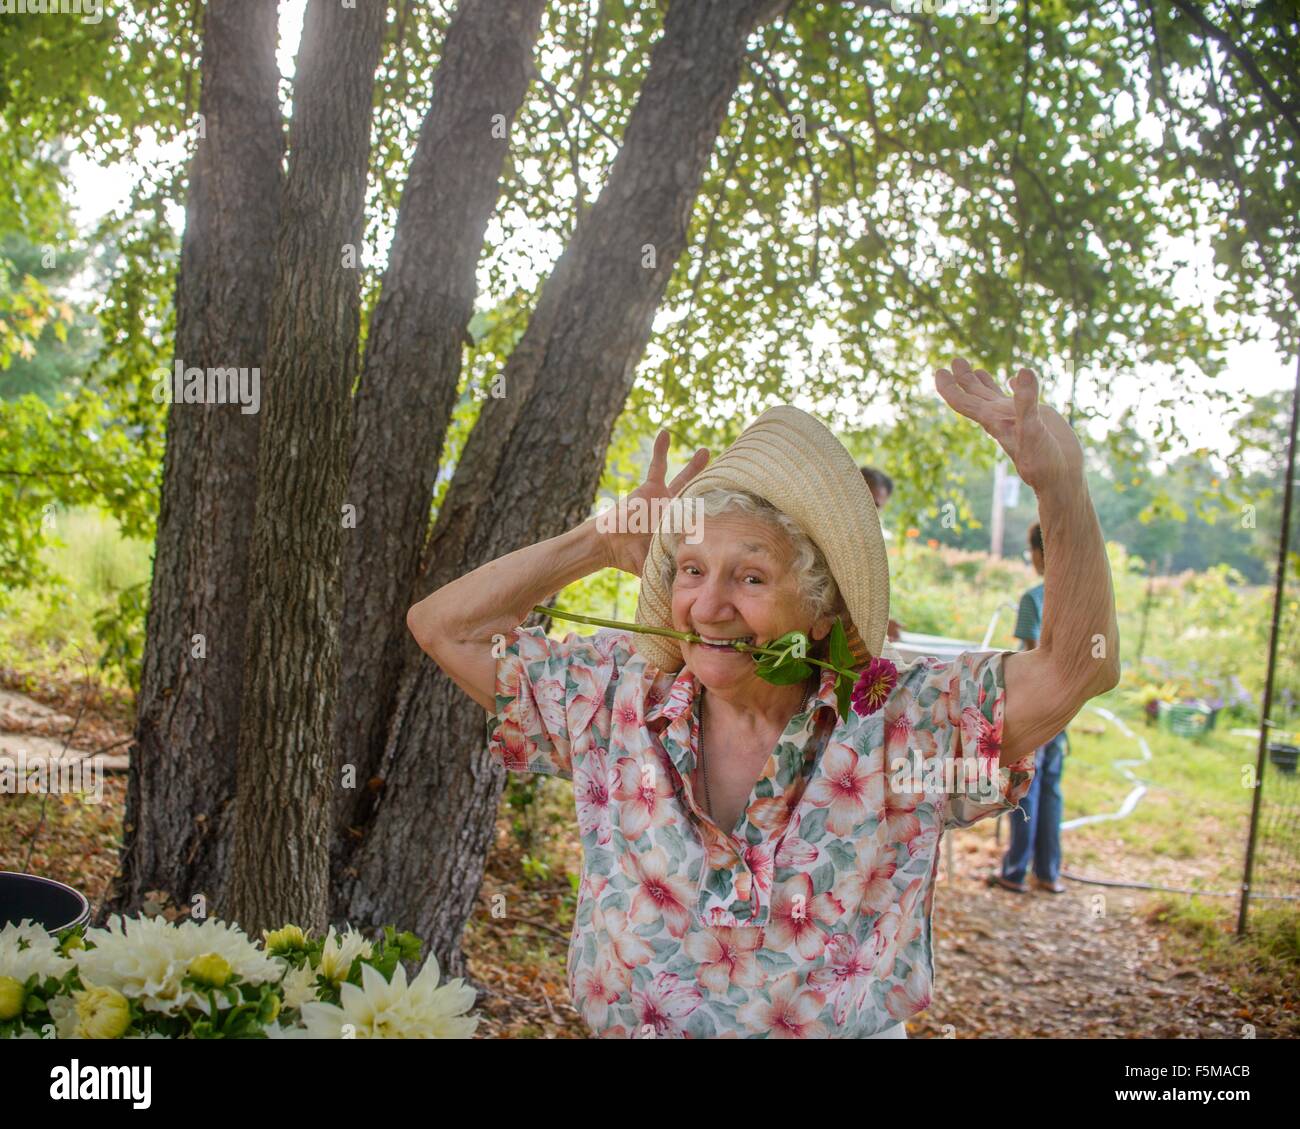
{"points": [[881, 487], [1036, 835]]}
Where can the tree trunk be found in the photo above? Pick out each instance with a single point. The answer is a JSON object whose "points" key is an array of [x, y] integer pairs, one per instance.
{"points": [[532, 464], [181, 783], [279, 869], [412, 367]]}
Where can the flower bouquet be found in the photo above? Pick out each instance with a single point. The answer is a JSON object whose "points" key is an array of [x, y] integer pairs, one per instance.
{"points": [[146, 978], [785, 661]]}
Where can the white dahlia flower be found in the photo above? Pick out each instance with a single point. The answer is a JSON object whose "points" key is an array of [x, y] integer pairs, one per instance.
{"points": [[381, 1009], [339, 951], [147, 958], [299, 986], [27, 948]]}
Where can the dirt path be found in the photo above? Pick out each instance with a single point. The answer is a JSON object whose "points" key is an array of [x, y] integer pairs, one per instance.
{"points": [[1085, 963], [31, 732]]}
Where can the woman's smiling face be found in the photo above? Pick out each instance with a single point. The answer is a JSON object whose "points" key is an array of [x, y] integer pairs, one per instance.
{"points": [[736, 583]]}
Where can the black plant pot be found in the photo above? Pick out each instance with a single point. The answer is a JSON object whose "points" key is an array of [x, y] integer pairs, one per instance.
{"points": [[50, 904], [1284, 756]]}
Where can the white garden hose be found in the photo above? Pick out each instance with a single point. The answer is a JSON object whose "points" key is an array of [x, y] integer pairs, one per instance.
{"points": [[1126, 809]]}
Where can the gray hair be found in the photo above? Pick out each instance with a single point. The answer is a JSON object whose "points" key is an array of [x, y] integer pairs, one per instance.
{"points": [[816, 585]]}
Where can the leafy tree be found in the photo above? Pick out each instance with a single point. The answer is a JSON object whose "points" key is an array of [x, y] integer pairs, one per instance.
{"points": [[61, 356], [888, 188]]}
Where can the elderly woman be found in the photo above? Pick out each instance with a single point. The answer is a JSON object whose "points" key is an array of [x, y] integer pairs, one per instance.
{"points": [[755, 863]]}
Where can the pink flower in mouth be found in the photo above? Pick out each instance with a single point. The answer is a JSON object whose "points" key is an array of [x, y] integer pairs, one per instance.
{"points": [[874, 686]]}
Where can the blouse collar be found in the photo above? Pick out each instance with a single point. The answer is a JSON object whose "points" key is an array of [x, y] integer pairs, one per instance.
{"points": [[681, 696]]}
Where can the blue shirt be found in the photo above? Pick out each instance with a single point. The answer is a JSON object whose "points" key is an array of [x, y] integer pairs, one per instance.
{"points": [[1029, 619], [1029, 624]]}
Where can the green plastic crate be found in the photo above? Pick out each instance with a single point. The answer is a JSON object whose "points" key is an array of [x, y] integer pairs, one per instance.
{"points": [[1184, 720]]}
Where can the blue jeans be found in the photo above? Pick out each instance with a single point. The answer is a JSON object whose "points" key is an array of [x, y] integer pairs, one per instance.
{"points": [[1036, 824]]}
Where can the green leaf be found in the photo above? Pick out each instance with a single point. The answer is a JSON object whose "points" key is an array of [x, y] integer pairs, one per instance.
{"points": [[841, 655], [844, 694], [784, 668], [783, 671], [793, 644]]}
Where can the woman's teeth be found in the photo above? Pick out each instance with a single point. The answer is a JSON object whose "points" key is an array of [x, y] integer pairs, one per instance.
{"points": [[726, 643]]}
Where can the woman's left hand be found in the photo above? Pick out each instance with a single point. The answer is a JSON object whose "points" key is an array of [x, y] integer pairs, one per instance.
{"points": [[1041, 445]]}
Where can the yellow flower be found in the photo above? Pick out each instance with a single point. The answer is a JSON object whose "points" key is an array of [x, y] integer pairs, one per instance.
{"points": [[11, 998], [102, 1013], [211, 969], [288, 937]]}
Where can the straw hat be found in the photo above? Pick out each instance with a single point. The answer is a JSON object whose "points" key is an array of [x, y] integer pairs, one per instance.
{"points": [[793, 461]]}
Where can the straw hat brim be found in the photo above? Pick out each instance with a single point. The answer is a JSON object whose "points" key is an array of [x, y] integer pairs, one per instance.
{"points": [[792, 460]]}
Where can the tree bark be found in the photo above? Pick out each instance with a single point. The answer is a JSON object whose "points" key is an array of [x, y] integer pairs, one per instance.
{"points": [[412, 367], [279, 869], [532, 464], [181, 782]]}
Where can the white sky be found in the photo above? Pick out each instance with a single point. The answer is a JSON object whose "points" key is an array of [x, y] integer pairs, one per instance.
{"points": [[1252, 368]]}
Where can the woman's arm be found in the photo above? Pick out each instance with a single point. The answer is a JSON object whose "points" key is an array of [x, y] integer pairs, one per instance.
{"points": [[455, 625], [1077, 656]]}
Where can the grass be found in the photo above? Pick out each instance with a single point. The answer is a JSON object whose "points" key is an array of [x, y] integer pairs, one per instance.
{"points": [[1190, 831], [51, 632], [1264, 963], [1196, 811]]}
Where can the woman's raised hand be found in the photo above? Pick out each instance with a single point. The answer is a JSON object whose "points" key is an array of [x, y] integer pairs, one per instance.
{"points": [[1035, 437], [627, 527]]}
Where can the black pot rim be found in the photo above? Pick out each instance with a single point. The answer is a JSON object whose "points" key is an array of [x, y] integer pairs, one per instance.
{"points": [[83, 914]]}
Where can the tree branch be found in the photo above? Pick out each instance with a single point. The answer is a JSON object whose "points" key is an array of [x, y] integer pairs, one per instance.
{"points": [[1244, 60]]}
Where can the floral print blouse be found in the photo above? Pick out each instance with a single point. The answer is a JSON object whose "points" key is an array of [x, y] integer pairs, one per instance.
{"points": [[811, 918]]}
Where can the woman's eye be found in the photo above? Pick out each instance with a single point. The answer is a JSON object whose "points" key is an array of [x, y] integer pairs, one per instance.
{"points": [[693, 570]]}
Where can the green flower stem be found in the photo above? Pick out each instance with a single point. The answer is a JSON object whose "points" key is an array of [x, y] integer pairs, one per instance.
{"points": [[646, 629], [828, 666], [643, 629], [233, 1015]]}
